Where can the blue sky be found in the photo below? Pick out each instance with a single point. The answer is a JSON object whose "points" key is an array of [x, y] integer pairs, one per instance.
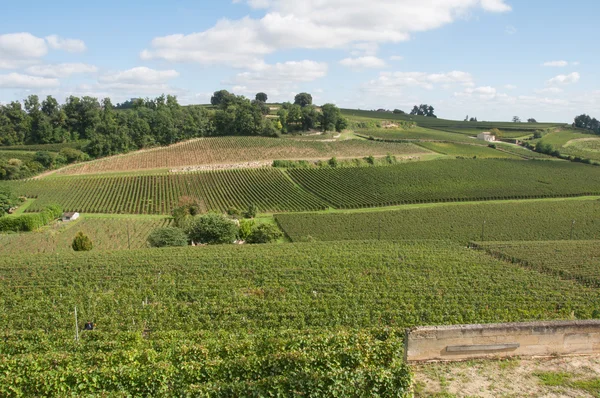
{"points": [[492, 59]]}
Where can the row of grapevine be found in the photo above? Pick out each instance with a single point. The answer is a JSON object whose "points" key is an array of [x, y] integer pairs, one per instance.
{"points": [[271, 287], [223, 150], [268, 189], [529, 221], [576, 260], [448, 181]]}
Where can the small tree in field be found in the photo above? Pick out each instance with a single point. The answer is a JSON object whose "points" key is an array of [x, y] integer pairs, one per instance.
{"points": [[82, 243], [168, 237], [251, 211], [264, 233], [213, 228]]}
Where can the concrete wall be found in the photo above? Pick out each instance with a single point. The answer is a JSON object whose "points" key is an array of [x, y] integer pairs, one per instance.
{"points": [[461, 342]]}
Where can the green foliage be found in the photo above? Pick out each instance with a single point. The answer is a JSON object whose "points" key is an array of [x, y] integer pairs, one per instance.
{"points": [[522, 221], [262, 97], [331, 118], [448, 181], [303, 99], [82, 243], [168, 237], [317, 364], [246, 227], [213, 228], [264, 233], [30, 222], [7, 200], [234, 213], [251, 211], [333, 162]]}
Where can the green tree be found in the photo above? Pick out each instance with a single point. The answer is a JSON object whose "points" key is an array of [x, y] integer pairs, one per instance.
{"points": [[82, 243], [213, 228], [303, 99], [330, 114], [251, 211], [262, 97], [222, 98], [310, 117], [264, 233], [7, 200], [168, 237], [516, 119], [245, 230]]}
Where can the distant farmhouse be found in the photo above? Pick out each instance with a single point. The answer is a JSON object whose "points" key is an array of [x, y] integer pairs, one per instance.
{"points": [[70, 216], [486, 136]]}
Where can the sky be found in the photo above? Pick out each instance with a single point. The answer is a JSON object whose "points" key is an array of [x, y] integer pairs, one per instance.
{"points": [[490, 59]]}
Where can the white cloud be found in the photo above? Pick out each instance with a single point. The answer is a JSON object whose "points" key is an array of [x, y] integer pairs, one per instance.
{"points": [[396, 58], [485, 92], [20, 49], [564, 79], [313, 24], [17, 80], [392, 84], [363, 62], [61, 70], [278, 79], [140, 76], [549, 90], [69, 45], [510, 87], [557, 64]]}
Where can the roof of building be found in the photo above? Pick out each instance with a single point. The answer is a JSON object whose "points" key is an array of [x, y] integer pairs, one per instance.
{"points": [[70, 214]]}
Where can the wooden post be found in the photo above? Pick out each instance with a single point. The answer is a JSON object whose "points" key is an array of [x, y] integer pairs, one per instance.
{"points": [[76, 326]]}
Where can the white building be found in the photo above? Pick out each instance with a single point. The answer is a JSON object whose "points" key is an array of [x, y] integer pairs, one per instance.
{"points": [[486, 136], [70, 216]]}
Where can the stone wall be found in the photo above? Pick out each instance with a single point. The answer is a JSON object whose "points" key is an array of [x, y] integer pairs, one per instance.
{"points": [[531, 339]]}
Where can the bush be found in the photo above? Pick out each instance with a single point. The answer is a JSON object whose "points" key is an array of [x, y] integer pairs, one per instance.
{"points": [[82, 243], [234, 213], [264, 233], [251, 211], [333, 162], [30, 222], [245, 230], [168, 237], [213, 228]]}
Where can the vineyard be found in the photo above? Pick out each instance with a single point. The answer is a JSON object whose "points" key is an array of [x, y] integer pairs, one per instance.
{"points": [[413, 134], [281, 287], [529, 221], [224, 150], [466, 150], [576, 260], [268, 189], [448, 181], [105, 233]]}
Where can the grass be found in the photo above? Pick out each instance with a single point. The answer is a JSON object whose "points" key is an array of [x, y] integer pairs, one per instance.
{"points": [[465, 150]]}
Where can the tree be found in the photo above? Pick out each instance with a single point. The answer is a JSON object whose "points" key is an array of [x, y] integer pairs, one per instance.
{"points": [[245, 229], [531, 120], [264, 233], [516, 119], [310, 117], [262, 97], [399, 112], [303, 99], [423, 110], [330, 118], [251, 211], [213, 228], [7, 200], [168, 237], [82, 243], [497, 133], [222, 98], [473, 119]]}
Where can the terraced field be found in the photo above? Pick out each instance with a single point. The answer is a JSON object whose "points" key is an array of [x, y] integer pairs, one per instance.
{"points": [[269, 189], [225, 150], [504, 221], [105, 233], [414, 134], [448, 181]]}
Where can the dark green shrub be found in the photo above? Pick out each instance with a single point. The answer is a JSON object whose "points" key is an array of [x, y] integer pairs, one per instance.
{"points": [[82, 243], [213, 228], [251, 211], [168, 237], [264, 233]]}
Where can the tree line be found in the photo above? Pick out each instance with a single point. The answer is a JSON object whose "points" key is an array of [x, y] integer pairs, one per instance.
{"points": [[587, 122]]}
